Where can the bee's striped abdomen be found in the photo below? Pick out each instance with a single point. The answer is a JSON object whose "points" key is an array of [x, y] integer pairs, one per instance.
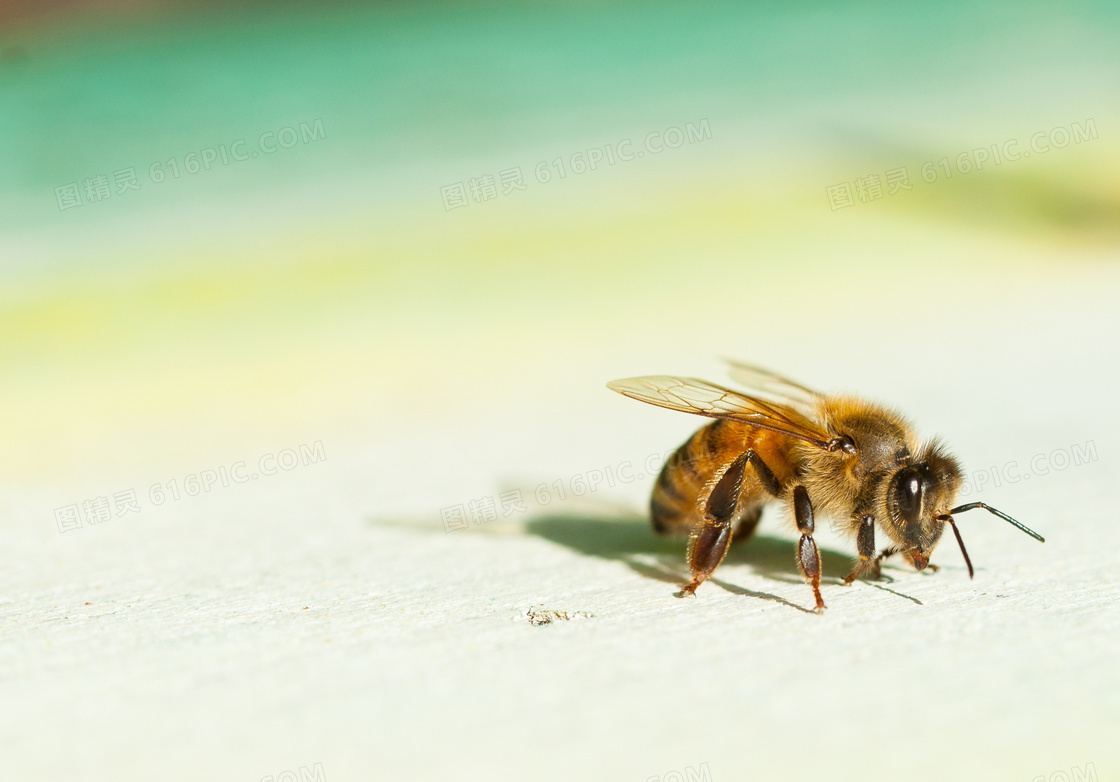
{"points": [[673, 504]]}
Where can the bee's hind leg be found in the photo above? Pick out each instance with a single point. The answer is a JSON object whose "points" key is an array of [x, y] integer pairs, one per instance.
{"points": [[709, 541]]}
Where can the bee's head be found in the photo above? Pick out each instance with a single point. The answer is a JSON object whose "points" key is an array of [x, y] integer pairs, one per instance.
{"points": [[919, 497], [919, 503]]}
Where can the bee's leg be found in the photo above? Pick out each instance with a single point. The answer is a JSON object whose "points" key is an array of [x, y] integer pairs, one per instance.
{"points": [[744, 525], [808, 557], [872, 569], [865, 547], [709, 541], [890, 551], [748, 519]]}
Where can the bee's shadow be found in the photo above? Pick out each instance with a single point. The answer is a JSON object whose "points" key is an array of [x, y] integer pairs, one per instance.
{"points": [[631, 540]]}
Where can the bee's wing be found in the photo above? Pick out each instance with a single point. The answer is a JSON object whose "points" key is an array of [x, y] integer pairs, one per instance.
{"points": [[776, 387], [700, 397]]}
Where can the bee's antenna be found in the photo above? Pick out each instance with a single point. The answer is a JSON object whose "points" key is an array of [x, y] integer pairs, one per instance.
{"points": [[960, 540], [1001, 514]]}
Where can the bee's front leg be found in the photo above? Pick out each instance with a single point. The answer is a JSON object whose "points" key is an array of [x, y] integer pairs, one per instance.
{"points": [[875, 566], [808, 557], [709, 541]]}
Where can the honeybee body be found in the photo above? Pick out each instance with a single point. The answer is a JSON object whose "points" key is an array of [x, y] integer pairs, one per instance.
{"points": [[841, 487], [840, 456], [689, 475]]}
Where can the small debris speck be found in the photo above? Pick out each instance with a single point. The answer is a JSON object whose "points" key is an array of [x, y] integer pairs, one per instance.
{"points": [[545, 616]]}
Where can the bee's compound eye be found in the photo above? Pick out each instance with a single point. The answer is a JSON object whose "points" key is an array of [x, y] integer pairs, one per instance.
{"points": [[908, 493]]}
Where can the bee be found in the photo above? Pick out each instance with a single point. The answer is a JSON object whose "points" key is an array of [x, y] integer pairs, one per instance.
{"points": [[837, 456]]}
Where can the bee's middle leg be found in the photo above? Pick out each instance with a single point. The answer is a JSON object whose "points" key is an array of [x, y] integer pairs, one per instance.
{"points": [[808, 556], [867, 563]]}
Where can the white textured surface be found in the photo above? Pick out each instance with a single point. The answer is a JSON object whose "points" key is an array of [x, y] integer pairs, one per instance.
{"points": [[324, 616]]}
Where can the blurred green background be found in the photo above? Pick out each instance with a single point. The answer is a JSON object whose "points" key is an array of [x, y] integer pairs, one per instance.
{"points": [[322, 285]]}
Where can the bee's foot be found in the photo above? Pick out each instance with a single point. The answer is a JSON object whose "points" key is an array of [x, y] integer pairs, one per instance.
{"points": [[869, 571]]}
